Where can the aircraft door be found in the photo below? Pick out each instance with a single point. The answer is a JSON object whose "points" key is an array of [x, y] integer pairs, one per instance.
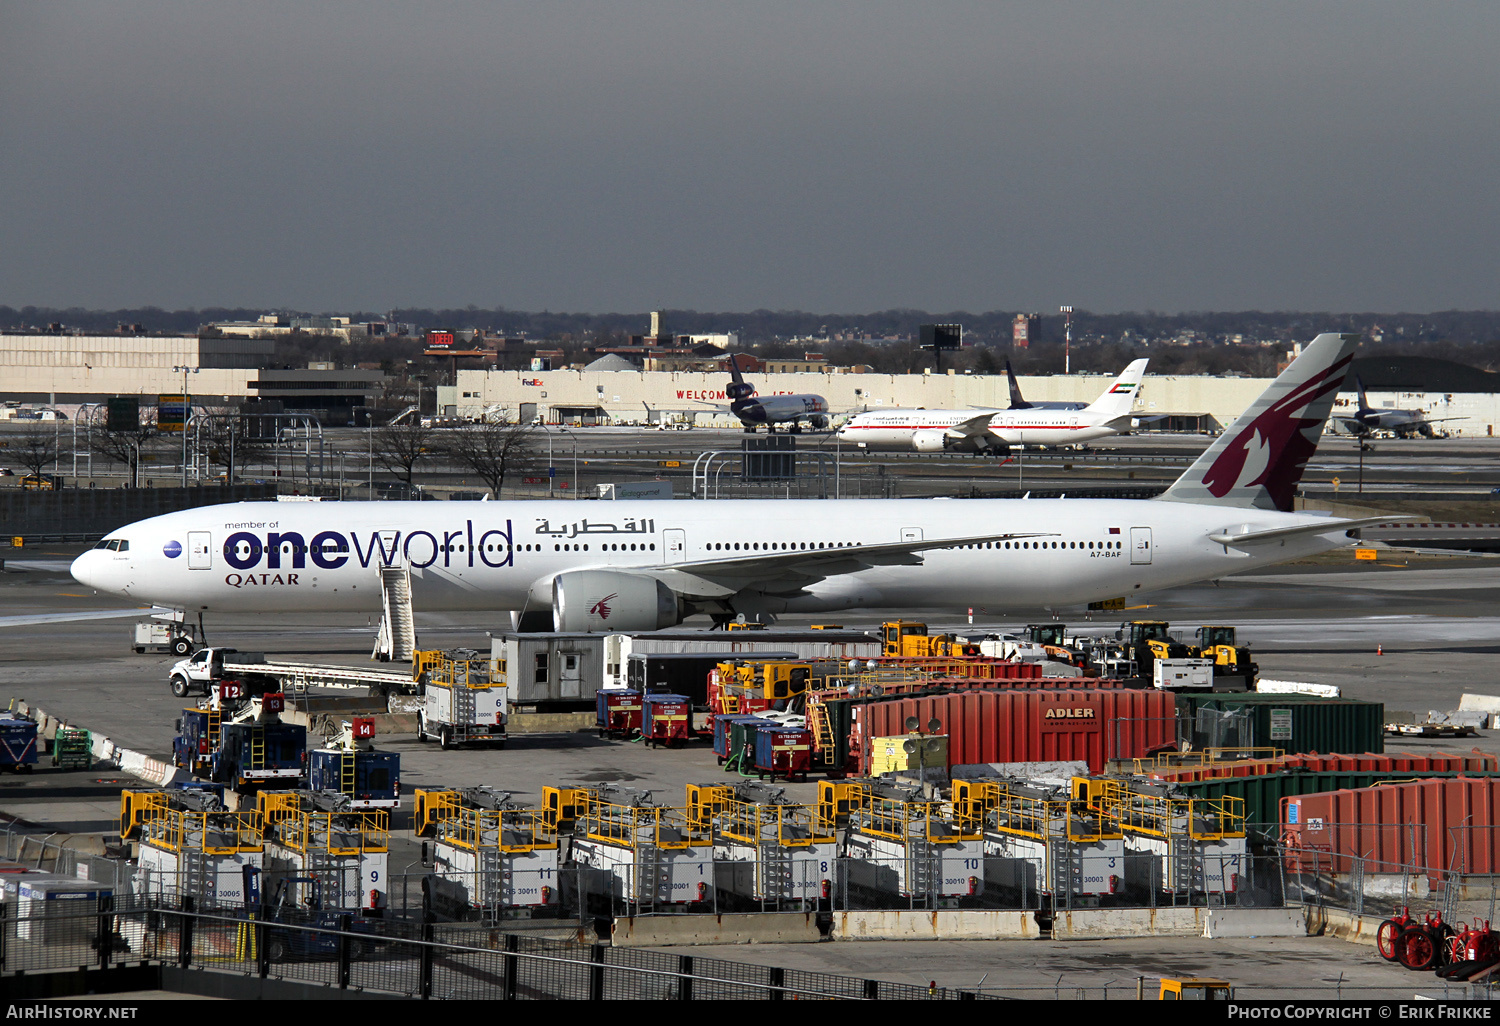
{"points": [[675, 543], [200, 550], [388, 540], [1140, 545]]}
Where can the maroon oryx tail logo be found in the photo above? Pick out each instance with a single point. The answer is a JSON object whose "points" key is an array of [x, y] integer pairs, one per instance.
{"points": [[1273, 449], [601, 608]]}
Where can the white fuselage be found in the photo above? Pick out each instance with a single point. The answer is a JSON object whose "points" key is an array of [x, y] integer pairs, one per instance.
{"points": [[923, 430], [326, 556]]}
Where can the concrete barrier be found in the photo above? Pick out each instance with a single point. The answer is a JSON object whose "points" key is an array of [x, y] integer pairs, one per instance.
{"points": [[946, 924], [1255, 922], [740, 928], [550, 723], [1346, 926], [1114, 923]]}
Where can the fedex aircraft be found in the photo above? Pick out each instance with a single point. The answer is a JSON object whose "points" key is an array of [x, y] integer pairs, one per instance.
{"points": [[991, 430], [612, 566], [753, 409]]}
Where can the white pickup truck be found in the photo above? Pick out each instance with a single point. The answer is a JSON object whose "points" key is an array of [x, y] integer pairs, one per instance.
{"points": [[199, 671], [203, 668]]}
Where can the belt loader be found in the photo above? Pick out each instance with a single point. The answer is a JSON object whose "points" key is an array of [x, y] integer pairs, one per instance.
{"points": [[1040, 843], [190, 846], [319, 836], [642, 856], [900, 843], [491, 853], [1173, 844], [768, 852]]}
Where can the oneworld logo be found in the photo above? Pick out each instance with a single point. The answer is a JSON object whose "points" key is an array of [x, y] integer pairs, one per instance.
{"points": [[244, 550], [172, 549]]}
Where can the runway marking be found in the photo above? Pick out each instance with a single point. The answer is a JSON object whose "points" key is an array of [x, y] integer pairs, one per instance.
{"points": [[71, 594]]}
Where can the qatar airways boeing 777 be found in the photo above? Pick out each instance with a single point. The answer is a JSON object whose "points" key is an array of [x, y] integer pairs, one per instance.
{"points": [[607, 566]]}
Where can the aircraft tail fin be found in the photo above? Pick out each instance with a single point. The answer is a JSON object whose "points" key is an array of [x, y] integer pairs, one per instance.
{"points": [[1016, 401], [1117, 400], [738, 388], [1359, 384], [1259, 459]]}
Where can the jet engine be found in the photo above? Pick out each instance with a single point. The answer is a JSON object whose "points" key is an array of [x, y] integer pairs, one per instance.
{"points": [[598, 601], [929, 441]]}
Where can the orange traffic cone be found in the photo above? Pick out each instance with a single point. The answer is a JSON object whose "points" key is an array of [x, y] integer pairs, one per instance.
{"points": [[1379, 650]]}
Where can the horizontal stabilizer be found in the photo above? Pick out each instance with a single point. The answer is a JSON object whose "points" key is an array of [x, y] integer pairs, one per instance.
{"points": [[1245, 537]]}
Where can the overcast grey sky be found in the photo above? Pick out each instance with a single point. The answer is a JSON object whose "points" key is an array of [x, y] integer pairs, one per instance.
{"points": [[629, 154]]}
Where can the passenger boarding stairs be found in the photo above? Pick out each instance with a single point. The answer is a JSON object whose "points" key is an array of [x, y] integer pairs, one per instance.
{"points": [[398, 632]]}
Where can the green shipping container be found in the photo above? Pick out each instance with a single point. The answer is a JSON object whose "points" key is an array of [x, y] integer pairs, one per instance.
{"points": [[1262, 794], [1293, 723]]}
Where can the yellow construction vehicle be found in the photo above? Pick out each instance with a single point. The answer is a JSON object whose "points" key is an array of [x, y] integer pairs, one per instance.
{"points": [[1147, 641], [1195, 988], [893, 632], [909, 640], [1217, 642]]}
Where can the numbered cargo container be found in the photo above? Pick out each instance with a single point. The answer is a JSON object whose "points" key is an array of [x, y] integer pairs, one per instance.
{"points": [[903, 846], [18, 742], [319, 841], [493, 854], [58, 911], [783, 751], [1174, 844], [641, 856], [769, 853], [464, 702], [1039, 842], [191, 846]]}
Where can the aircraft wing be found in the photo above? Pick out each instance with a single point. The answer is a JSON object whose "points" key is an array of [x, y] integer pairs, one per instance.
{"points": [[979, 425], [1241, 537], [791, 571]]}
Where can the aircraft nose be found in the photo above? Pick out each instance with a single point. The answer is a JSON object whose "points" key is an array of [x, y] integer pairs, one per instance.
{"points": [[84, 570]]}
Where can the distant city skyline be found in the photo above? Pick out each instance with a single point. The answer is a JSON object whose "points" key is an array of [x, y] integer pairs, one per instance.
{"points": [[1115, 155]]}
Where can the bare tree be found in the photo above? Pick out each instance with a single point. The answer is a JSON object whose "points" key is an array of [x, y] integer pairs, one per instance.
{"points": [[489, 450], [400, 447], [226, 445], [123, 446], [35, 447]]}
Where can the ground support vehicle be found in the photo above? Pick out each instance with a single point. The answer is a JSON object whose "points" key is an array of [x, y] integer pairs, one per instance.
{"points": [[618, 713], [900, 844], [1174, 844], [257, 673], [190, 845], [318, 836], [1234, 670], [296, 920], [492, 854], [245, 750], [755, 685], [770, 853], [158, 636], [666, 719], [782, 750], [18, 742], [1039, 842], [1195, 988], [463, 703], [350, 766], [642, 857], [72, 748]]}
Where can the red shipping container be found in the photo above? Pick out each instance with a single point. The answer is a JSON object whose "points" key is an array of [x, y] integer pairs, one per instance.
{"points": [[1437, 762], [1042, 725], [1428, 826]]}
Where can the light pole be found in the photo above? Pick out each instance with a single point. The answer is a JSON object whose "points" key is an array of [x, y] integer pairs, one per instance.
{"points": [[187, 415], [1067, 312]]}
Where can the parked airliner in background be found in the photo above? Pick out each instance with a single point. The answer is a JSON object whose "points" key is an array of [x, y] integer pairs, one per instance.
{"points": [[990, 431], [626, 566], [753, 410], [1367, 420], [1017, 402]]}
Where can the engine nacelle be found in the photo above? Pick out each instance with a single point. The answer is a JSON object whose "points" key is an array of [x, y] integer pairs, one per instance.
{"points": [[599, 601], [929, 441]]}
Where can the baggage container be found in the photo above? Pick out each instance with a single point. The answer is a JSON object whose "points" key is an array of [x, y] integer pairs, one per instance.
{"points": [[1292, 723], [618, 713], [369, 779], [1054, 725], [666, 719], [18, 742], [57, 910], [1430, 826], [72, 748], [724, 734], [782, 751]]}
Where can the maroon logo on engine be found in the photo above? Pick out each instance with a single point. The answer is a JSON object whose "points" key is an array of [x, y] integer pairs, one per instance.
{"points": [[601, 608], [1274, 447]]}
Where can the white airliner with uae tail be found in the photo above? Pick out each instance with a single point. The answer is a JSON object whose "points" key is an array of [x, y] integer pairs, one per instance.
{"points": [[993, 430], [610, 566]]}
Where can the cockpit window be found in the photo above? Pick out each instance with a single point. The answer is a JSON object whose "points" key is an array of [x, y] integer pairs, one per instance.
{"points": [[104, 544], [122, 545], [114, 545]]}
